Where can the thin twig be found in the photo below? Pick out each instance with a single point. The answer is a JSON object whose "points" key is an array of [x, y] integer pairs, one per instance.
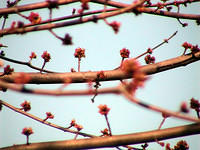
{"points": [[79, 64], [108, 124], [162, 122], [157, 46], [4, 22], [24, 63], [42, 120], [54, 34]]}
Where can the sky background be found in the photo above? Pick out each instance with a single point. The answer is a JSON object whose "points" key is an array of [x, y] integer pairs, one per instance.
{"points": [[137, 33]]}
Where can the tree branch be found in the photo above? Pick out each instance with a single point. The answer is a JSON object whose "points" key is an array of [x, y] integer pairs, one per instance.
{"points": [[80, 77], [116, 140]]}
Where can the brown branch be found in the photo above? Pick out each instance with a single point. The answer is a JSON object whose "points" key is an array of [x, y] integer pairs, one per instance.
{"points": [[33, 6], [42, 120], [116, 140], [80, 77]]}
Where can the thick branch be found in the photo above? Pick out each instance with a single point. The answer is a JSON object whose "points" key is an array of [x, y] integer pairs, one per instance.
{"points": [[117, 140], [79, 77]]}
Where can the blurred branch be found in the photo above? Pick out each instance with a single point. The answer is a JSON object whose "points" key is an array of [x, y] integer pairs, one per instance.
{"points": [[113, 90], [116, 140], [42, 120], [58, 92], [80, 77], [155, 108]]}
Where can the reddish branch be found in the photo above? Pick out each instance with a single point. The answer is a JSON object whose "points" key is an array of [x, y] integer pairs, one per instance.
{"points": [[79, 77], [116, 140]]}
